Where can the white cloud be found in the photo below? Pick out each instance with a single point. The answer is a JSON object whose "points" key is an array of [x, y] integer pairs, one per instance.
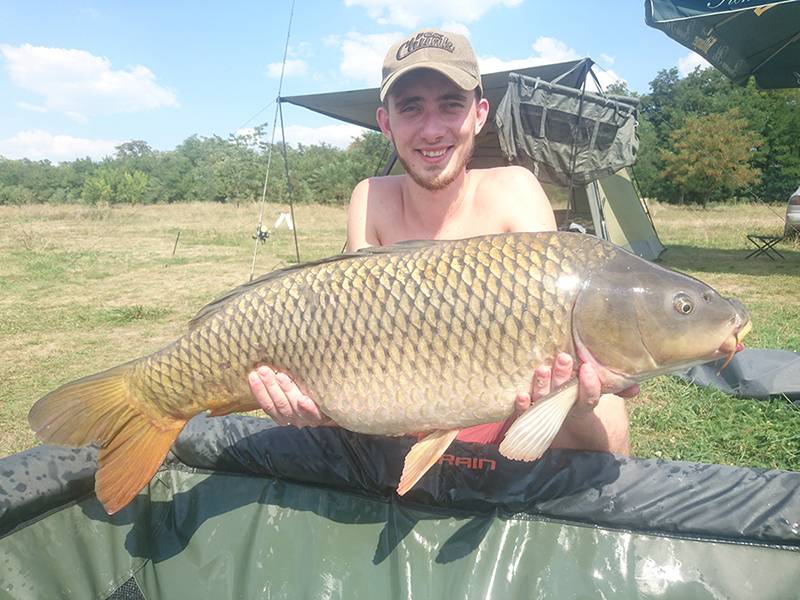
{"points": [[31, 107], [547, 51], [609, 60], [606, 77], [37, 144], [340, 136], [362, 55], [294, 66], [409, 13], [690, 62], [78, 83], [455, 27]]}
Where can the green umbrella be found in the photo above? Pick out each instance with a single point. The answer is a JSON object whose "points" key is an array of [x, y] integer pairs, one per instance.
{"points": [[739, 37]]}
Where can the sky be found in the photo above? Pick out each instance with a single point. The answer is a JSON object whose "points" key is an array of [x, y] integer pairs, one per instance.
{"points": [[79, 78]]}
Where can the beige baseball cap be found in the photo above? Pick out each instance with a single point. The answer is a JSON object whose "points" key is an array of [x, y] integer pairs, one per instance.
{"points": [[448, 53]]}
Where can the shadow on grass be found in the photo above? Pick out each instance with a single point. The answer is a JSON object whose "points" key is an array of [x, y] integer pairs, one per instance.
{"points": [[731, 260]]}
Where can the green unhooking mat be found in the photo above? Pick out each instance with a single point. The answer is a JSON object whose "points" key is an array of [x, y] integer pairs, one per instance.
{"points": [[246, 510]]}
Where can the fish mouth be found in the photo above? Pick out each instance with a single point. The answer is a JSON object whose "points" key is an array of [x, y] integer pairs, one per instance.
{"points": [[733, 343]]}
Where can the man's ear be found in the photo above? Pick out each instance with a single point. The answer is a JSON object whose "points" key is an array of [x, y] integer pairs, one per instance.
{"points": [[382, 116], [482, 113]]}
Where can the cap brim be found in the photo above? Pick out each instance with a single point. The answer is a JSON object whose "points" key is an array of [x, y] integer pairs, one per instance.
{"points": [[458, 76]]}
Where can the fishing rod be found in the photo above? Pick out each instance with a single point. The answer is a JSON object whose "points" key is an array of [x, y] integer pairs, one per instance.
{"points": [[261, 234]]}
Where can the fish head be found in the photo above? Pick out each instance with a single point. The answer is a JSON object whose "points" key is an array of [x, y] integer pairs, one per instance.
{"points": [[634, 319]]}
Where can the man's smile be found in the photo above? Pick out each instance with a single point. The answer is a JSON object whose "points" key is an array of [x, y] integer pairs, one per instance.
{"points": [[433, 155]]}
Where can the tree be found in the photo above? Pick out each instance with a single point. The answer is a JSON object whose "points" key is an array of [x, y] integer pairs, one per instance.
{"points": [[98, 188], [131, 187], [709, 156]]}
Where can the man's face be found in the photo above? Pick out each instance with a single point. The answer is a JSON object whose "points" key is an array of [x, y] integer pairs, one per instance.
{"points": [[432, 124]]}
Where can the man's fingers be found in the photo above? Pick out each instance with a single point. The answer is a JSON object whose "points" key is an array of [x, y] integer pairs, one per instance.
{"points": [[522, 402], [589, 387], [562, 370], [540, 386], [304, 410], [283, 400], [282, 412], [259, 381]]}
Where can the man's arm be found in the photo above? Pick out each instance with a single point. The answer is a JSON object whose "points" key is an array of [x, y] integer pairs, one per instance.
{"points": [[361, 231]]}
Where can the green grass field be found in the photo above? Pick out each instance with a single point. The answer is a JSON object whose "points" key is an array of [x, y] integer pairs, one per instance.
{"points": [[82, 289]]}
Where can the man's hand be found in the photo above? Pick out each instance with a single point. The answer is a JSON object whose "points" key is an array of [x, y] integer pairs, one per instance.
{"points": [[547, 378], [283, 400]]}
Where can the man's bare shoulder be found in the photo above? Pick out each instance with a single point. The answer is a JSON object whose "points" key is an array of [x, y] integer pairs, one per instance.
{"points": [[386, 189], [502, 176], [373, 203], [516, 193]]}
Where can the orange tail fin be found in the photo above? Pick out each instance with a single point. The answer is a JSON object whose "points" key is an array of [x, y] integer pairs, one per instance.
{"points": [[102, 409]]}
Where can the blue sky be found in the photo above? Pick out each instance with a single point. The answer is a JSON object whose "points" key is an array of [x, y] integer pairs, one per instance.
{"points": [[78, 78]]}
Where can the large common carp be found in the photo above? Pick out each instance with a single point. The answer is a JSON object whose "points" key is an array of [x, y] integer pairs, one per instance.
{"points": [[421, 336]]}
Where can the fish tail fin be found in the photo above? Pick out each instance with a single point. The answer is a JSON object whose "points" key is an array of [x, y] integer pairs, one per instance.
{"points": [[103, 409]]}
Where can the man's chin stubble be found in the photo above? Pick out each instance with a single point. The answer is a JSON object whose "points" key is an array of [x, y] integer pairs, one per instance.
{"points": [[441, 181]]}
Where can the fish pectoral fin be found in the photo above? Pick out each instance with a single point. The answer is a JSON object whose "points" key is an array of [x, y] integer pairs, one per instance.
{"points": [[533, 432], [423, 455]]}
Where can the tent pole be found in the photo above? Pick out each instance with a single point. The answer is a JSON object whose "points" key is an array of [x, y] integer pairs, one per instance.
{"points": [[638, 189]]}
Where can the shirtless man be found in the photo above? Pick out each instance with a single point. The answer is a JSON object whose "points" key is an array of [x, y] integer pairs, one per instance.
{"points": [[432, 110]]}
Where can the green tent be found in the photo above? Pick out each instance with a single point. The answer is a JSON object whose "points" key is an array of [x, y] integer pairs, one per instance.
{"points": [[742, 38]]}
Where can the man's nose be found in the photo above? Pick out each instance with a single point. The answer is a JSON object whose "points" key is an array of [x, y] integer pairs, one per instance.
{"points": [[433, 127]]}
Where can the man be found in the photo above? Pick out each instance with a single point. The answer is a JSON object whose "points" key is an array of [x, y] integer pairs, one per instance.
{"points": [[432, 110]]}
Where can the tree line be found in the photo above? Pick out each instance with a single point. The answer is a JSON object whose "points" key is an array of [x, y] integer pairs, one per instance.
{"points": [[702, 139], [217, 169]]}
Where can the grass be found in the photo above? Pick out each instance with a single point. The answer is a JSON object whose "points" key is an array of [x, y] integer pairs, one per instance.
{"points": [[84, 288]]}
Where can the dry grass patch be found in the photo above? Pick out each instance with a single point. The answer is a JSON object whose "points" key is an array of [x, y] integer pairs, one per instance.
{"points": [[83, 289]]}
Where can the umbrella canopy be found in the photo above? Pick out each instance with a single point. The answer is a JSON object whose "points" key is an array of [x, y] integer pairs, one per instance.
{"points": [[739, 37]]}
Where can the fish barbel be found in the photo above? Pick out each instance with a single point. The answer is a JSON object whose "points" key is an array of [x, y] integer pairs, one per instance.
{"points": [[427, 336]]}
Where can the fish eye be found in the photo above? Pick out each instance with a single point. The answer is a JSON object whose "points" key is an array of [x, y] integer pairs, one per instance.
{"points": [[682, 303]]}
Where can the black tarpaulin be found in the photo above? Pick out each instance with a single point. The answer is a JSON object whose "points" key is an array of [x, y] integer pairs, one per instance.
{"points": [[752, 373]]}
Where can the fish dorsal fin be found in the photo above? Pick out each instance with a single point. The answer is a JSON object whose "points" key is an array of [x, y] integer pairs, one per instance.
{"points": [[533, 432], [210, 309]]}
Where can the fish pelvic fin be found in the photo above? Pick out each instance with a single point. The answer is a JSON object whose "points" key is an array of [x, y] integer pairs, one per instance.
{"points": [[533, 432], [423, 455], [102, 409]]}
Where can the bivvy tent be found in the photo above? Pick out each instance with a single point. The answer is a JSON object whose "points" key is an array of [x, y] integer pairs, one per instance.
{"points": [[579, 144]]}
